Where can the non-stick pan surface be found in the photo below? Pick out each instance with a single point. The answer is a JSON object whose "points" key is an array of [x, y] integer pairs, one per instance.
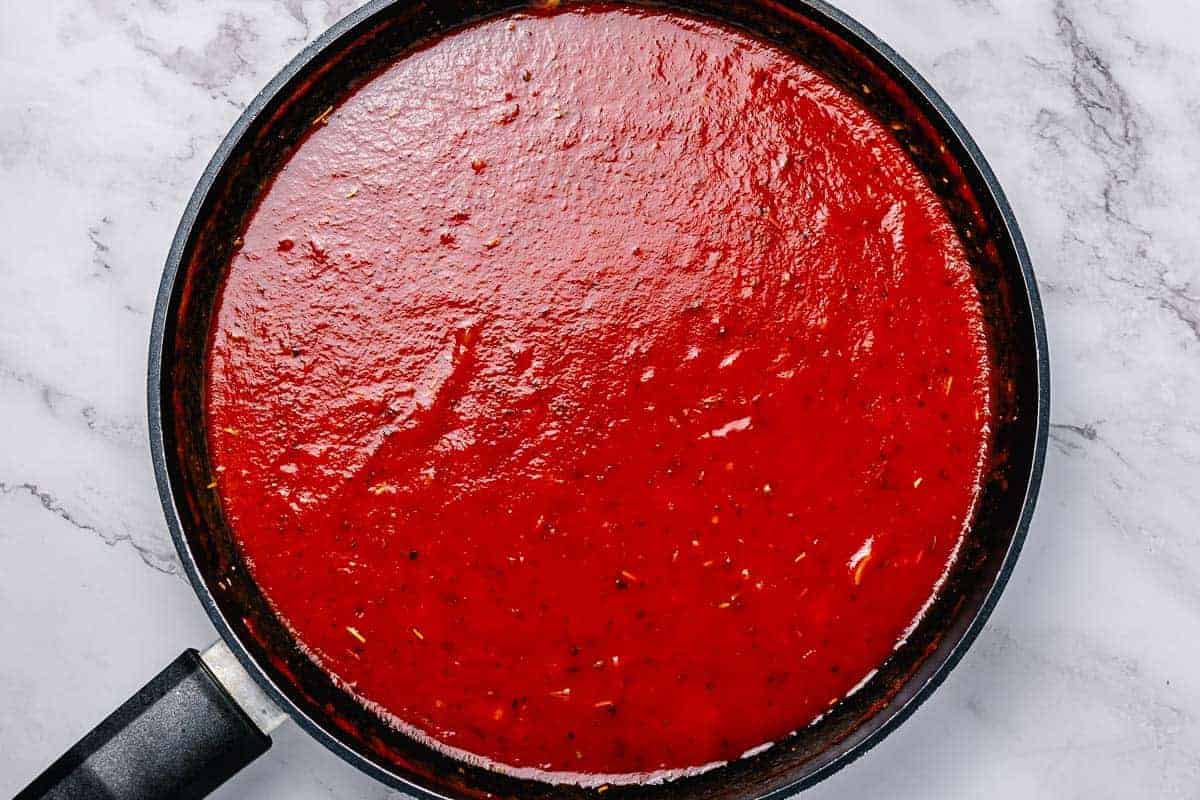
{"points": [[261, 141]]}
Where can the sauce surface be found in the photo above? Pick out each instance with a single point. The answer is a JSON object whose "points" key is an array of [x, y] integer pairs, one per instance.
{"points": [[601, 392]]}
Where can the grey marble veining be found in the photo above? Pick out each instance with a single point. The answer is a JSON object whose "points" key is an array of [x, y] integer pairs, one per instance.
{"points": [[1085, 682]]}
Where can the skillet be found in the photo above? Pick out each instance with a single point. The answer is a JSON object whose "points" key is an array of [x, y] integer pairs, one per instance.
{"points": [[207, 715]]}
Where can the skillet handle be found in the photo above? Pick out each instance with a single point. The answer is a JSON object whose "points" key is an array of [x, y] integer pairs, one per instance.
{"points": [[181, 736]]}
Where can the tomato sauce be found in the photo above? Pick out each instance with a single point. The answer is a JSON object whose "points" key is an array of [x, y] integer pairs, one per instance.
{"points": [[599, 393]]}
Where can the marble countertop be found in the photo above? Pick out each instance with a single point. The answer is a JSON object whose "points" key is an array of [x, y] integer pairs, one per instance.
{"points": [[1084, 683]]}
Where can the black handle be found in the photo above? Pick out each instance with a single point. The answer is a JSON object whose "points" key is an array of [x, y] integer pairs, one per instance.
{"points": [[180, 737]]}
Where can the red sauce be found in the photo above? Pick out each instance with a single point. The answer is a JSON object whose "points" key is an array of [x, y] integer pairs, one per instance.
{"points": [[599, 392]]}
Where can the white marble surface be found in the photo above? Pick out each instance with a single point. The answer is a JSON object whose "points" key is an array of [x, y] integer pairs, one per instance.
{"points": [[1085, 683]]}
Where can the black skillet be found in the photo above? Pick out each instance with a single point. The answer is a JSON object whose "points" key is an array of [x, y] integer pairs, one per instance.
{"points": [[207, 716]]}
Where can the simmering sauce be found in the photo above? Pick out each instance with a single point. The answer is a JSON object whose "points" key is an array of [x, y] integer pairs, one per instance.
{"points": [[599, 393]]}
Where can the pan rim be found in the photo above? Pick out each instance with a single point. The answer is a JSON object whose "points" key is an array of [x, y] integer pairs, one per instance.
{"points": [[838, 22]]}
